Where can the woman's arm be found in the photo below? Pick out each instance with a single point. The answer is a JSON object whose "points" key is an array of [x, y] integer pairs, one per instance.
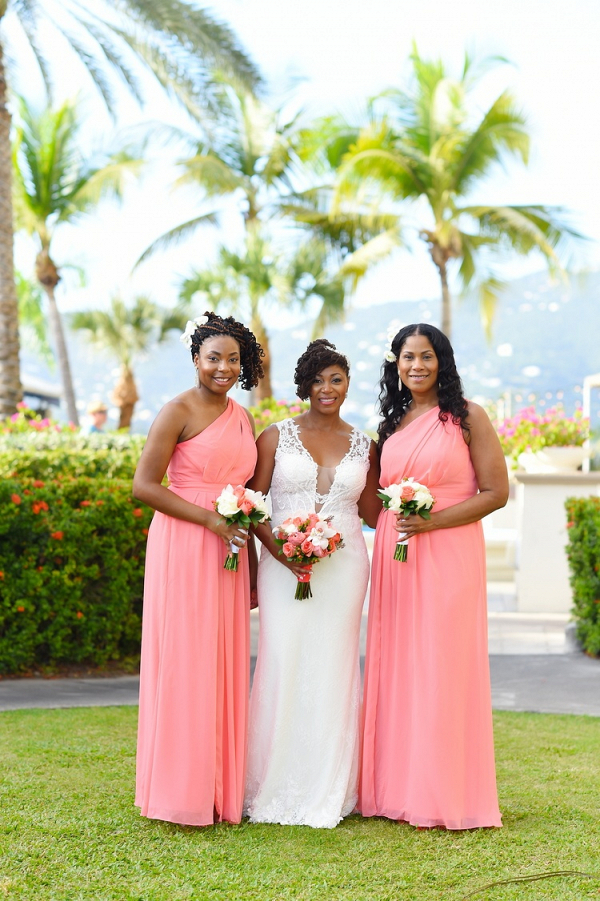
{"points": [[147, 481], [492, 480], [266, 446], [369, 505]]}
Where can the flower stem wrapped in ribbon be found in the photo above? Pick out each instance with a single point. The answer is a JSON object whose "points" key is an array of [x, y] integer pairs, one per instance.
{"points": [[242, 506], [406, 497], [305, 540]]}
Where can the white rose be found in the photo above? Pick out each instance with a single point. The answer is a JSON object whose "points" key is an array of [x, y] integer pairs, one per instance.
{"points": [[258, 500], [227, 502]]}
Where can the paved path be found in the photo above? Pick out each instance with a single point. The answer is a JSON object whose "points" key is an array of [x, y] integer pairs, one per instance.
{"points": [[534, 666], [534, 682]]}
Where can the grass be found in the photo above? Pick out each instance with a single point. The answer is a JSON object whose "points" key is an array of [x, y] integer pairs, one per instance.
{"points": [[69, 830]]}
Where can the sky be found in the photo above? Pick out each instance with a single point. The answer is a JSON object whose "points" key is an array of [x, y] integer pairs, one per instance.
{"points": [[343, 52]]}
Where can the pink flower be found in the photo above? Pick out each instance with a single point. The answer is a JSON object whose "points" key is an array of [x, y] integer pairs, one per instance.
{"points": [[319, 551], [288, 549], [296, 538], [408, 493], [307, 548], [245, 506], [21, 405], [14, 417]]}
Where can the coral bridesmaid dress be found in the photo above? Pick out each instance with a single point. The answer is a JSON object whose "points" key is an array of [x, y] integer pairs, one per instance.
{"points": [[428, 752], [194, 679]]}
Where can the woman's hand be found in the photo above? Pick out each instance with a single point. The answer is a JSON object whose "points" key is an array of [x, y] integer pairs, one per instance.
{"points": [[297, 568], [413, 524], [231, 533]]}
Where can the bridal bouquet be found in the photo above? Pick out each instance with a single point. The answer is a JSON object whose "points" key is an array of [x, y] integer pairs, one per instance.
{"points": [[306, 541], [243, 506], [406, 497]]}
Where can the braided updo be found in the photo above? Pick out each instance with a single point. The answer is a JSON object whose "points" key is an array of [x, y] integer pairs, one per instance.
{"points": [[251, 353], [318, 356], [395, 397]]}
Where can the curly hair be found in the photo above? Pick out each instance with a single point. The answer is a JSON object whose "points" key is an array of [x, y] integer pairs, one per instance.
{"points": [[395, 397], [318, 356], [251, 353]]}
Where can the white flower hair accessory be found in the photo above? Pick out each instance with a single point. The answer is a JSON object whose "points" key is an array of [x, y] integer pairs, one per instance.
{"points": [[190, 328], [389, 356]]}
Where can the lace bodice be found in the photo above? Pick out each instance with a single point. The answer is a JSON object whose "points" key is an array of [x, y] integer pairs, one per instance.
{"points": [[294, 481]]}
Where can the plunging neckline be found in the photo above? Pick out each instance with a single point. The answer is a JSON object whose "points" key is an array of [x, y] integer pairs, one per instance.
{"points": [[320, 499]]}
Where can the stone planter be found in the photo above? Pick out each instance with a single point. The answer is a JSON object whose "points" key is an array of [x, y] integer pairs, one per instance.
{"points": [[553, 459]]}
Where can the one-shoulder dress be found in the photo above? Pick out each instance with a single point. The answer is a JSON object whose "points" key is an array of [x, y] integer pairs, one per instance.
{"points": [[194, 678], [428, 750]]}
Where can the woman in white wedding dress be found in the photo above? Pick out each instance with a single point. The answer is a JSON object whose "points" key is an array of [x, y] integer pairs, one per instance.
{"points": [[304, 707]]}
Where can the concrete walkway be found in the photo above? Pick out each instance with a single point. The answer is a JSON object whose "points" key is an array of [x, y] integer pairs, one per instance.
{"points": [[535, 666]]}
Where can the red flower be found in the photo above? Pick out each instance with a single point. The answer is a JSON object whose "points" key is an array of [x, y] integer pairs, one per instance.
{"points": [[570, 524], [36, 507], [145, 531], [137, 512], [85, 504], [57, 535], [15, 498], [99, 503], [79, 614], [1, 574], [26, 491], [20, 609], [38, 484]]}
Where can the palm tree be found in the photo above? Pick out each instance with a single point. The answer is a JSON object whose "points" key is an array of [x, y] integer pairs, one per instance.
{"points": [[257, 157], [181, 45], [53, 185], [32, 318], [126, 333], [429, 144]]}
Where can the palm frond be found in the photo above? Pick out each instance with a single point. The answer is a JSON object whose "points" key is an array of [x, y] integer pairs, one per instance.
{"points": [[356, 264], [177, 234], [212, 172], [27, 13]]}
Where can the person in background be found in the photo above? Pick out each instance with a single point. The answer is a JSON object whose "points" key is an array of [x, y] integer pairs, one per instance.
{"points": [[98, 414]]}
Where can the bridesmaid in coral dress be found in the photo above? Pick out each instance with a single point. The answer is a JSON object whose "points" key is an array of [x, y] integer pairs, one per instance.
{"points": [[194, 677], [428, 752]]}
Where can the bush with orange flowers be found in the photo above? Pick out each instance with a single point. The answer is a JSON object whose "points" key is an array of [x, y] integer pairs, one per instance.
{"points": [[72, 553]]}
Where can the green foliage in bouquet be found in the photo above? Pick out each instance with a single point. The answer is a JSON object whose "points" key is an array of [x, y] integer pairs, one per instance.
{"points": [[269, 410], [531, 430], [583, 553], [72, 554]]}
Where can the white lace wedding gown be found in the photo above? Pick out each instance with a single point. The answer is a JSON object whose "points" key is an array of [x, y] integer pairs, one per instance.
{"points": [[304, 708]]}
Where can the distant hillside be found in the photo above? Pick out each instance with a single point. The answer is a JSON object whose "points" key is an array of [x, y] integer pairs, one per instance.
{"points": [[546, 339]]}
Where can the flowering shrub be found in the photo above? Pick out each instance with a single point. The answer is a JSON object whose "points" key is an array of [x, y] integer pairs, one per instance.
{"points": [[583, 553], [269, 410], [26, 420], [530, 430], [48, 454], [72, 554]]}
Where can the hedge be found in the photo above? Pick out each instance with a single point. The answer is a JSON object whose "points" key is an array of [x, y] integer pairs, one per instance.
{"points": [[583, 553], [72, 553], [47, 453]]}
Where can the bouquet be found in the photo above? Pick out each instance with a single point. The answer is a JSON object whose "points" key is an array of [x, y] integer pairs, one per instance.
{"points": [[243, 506], [306, 540], [406, 498]]}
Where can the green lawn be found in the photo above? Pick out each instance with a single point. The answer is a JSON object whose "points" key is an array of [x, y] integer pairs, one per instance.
{"points": [[69, 830]]}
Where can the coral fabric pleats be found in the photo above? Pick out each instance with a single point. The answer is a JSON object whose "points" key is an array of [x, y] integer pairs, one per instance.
{"points": [[428, 754], [195, 643]]}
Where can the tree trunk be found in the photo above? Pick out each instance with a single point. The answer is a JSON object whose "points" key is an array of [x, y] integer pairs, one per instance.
{"points": [[264, 388], [48, 277], [10, 381], [446, 302], [125, 397]]}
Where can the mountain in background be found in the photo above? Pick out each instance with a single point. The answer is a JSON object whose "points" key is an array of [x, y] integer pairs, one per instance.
{"points": [[546, 339]]}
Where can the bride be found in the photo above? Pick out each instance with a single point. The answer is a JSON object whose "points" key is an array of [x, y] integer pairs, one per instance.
{"points": [[304, 707]]}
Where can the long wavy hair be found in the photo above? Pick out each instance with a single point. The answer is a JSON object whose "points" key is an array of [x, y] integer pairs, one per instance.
{"points": [[395, 397]]}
